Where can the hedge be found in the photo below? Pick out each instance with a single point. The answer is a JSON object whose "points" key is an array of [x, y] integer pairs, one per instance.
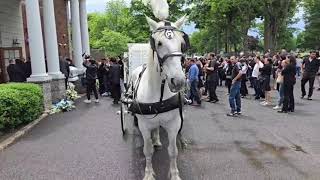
{"points": [[20, 103]]}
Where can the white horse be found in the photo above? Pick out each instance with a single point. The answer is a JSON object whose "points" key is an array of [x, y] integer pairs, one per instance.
{"points": [[164, 65]]}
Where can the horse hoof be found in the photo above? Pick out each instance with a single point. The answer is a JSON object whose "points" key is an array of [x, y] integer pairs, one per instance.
{"points": [[149, 176], [176, 177], [157, 145]]}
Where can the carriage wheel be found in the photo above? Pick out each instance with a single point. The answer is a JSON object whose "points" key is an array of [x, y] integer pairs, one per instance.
{"points": [[122, 117]]}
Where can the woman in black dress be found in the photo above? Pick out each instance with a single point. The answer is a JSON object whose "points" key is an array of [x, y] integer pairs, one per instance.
{"points": [[289, 80], [266, 72]]}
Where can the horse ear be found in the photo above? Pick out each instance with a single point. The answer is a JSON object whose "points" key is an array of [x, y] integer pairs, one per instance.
{"points": [[181, 21], [153, 24]]}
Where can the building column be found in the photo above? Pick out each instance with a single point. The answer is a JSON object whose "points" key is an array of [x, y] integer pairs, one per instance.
{"points": [[84, 27], [51, 42], [35, 42], [76, 34]]}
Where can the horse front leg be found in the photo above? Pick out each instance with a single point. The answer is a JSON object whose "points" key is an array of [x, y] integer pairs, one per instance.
{"points": [[172, 149], [148, 151], [156, 137]]}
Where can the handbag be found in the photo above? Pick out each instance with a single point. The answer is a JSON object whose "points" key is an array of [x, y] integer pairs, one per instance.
{"points": [[279, 79]]}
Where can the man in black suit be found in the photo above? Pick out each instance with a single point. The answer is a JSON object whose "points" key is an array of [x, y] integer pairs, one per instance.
{"points": [[20, 71], [212, 78], [11, 71], [310, 68], [115, 75]]}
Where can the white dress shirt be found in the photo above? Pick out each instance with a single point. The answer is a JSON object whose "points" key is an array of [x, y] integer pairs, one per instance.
{"points": [[256, 72]]}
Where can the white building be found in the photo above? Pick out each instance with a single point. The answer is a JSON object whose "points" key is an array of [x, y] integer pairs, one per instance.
{"points": [[41, 23]]}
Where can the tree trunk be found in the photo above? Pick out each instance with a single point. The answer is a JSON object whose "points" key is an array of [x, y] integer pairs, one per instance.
{"points": [[245, 40], [268, 34]]}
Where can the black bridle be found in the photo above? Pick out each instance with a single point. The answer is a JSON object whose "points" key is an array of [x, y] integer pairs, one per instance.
{"points": [[168, 29]]}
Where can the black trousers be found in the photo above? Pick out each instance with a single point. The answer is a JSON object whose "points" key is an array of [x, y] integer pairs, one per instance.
{"points": [[244, 89], [257, 88], [91, 87], [66, 82], [107, 84], [101, 86], [205, 88], [116, 92], [304, 80], [288, 101], [212, 87], [228, 84]]}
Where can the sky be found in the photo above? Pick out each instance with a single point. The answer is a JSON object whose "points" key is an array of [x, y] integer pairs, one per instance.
{"points": [[96, 5], [99, 6]]}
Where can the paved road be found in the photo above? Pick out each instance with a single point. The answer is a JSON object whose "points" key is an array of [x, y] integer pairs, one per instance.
{"points": [[87, 144]]}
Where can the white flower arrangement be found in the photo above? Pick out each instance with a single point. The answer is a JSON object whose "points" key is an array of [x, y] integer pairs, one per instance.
{"points": [[71, 93], [66, 104], [62, 106]]}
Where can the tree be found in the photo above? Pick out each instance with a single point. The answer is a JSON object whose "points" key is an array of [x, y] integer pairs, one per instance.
{"points": [[276, 14], [227, 20], [310, 38], [113, 43], [252, 43], [121, 20], [117, 20]]}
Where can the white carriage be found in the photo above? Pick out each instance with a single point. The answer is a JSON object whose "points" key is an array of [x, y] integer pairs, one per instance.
{"points": [[136, 56]]}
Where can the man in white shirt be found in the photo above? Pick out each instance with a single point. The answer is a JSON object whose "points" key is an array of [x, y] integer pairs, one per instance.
{"points": [[255, 75], [299, 65]]}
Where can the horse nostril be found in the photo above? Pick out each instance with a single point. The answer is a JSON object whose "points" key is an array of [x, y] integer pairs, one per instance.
{"points": [[172, 81]]}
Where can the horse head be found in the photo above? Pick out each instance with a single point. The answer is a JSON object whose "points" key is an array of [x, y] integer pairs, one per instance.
{"points": [[169, 45]]}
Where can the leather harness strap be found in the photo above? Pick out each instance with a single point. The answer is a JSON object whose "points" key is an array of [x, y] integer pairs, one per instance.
{"points": [[138, 82], [163, 83], [180, 112]]}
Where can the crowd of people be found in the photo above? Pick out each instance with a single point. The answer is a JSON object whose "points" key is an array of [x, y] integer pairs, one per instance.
{"points": [[19, 69], [263, 73], [109, 73], [237, 73]]}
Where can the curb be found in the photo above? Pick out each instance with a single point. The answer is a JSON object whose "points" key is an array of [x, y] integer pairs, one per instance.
{"points": [[10, 140]]}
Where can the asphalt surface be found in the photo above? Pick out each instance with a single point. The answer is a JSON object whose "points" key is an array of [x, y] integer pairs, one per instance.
{"points": [[87, 143]]}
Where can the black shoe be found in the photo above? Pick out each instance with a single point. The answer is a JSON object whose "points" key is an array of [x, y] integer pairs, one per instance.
{"points": [[282, 111], [209, 100], [309, 98], [214, 101], [195, 104], [238, 113], [231, 114]]}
